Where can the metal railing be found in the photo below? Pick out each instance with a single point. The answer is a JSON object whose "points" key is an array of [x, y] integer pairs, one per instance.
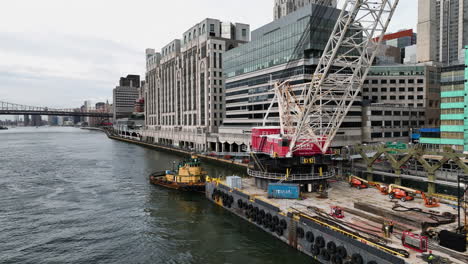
{"points": [[292, 177]]}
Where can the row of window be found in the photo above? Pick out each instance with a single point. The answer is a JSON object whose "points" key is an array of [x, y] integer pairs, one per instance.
{"points": [[452, 87], [396, 113], [390, 134], [392, 89], [452, 122], [452, 111], [394, 81], [393, 97], [452, 135], [453, 99], [397, 123]]}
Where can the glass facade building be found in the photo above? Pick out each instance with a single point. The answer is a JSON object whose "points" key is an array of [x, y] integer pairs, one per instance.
{"points": [[283, 40], [286, 49]]}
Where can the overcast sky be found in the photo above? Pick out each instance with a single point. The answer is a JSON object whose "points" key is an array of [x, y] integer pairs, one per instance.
{"points": [[58, 53]]}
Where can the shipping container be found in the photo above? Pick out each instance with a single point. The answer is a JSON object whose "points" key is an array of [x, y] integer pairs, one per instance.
{"points": [[283, 191], [234, 182]]}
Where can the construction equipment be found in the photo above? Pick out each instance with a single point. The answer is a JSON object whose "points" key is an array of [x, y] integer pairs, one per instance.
{"points": [[360, 183], [414, 241], [310, 119], [337, 212], [407, 194]]}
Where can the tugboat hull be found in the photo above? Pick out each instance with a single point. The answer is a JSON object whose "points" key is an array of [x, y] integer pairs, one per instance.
{"points": [[193, 187]]}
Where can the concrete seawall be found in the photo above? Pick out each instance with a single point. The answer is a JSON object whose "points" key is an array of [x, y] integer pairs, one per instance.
{"points": [[169, 149]]}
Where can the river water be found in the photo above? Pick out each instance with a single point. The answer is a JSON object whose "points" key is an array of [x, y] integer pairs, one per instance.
{"points": [[74, 196]]}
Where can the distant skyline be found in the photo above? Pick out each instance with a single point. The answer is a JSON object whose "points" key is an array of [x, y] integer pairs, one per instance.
{"points": [[60, 53]]}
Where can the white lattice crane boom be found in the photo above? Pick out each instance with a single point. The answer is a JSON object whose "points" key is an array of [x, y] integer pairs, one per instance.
{"points": [[316, 116]]}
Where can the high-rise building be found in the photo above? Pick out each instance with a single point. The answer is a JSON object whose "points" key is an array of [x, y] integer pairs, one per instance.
{"points": [[130, 81], [442, 31], [52, 120], [390, 122], [26, 121], [279, 51], [400, 40], [185, 98], [285, 7], [125, 95], [454, 114], [415, 86], [36, 120]]}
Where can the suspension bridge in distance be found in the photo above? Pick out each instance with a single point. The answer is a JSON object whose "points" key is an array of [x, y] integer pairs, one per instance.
{"points": [[17, 109]]}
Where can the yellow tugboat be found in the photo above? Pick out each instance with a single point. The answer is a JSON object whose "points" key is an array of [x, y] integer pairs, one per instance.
{"points": [[188, 177]]}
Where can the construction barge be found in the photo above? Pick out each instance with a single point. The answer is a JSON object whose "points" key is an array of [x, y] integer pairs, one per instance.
{"points": [[357, 235]]}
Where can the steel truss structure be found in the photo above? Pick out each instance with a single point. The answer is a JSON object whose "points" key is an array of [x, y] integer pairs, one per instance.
{"points": [[17, 109], [316, 116]]}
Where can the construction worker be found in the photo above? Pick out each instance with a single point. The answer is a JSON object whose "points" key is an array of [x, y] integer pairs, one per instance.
{"points": [[391, 225], [430, 258]]}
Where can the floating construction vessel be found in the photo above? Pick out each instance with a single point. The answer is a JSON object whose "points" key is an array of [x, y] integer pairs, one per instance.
{"points": [[189, 176], [293, 193]]}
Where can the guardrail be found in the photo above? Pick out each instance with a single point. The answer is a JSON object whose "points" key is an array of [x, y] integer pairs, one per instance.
{"points": [[292, 177]]}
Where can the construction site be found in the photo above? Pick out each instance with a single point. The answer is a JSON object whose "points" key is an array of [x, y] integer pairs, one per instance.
{"points": [[371, 204]]}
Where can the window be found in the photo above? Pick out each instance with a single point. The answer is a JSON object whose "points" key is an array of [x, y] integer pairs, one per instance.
{"points": [[383, 81], [420, 81], [392, 97], [214, 59], [388, 113], [375, 81], [410, 89], [383, 98], [420, 97], [366, 97], [220, 59], [244, 32], [420, 89], [375, 90], [402, 89], [388, 123], [396, 134], [410, 97], [365, 90], [376, 123], [388, 134], [397, 123], [411, 81], [392, 89], [366, 81], [401, 81], [397, 113], [376, 135], [393, 81], [401, 97], [212, 27], [383, 90]]}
